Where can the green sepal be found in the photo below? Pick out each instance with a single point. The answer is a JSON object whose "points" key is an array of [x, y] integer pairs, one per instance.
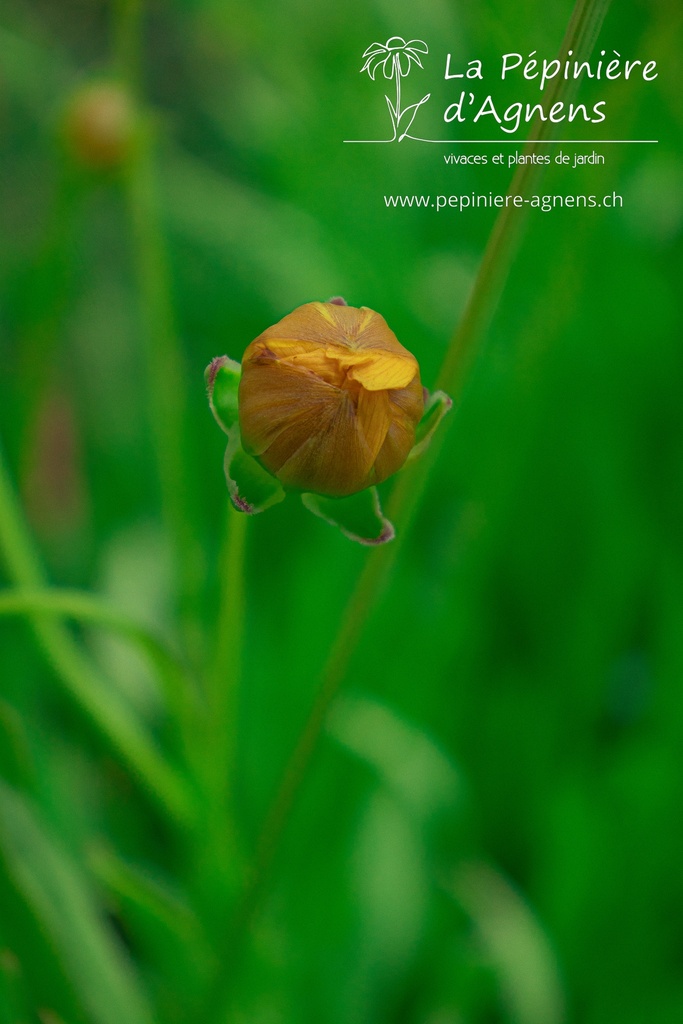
{"points": [[252, 489], [222, 377], [359, 517], [436, 407]]}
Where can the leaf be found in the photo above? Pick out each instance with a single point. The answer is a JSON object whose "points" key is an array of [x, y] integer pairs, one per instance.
{"points": [[80, 677], [392, 115], [59, 896], [222, 380], [16, 762], [513, 941], [436, 407], [404, 756], [414, 107], [158, 918], [359, 517], [86, 608], [252, 488], [391, 884]]}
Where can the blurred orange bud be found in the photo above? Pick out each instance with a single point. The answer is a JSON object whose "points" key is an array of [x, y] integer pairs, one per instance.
{"points": [[99, 125], [54, 486], [329, 399]]}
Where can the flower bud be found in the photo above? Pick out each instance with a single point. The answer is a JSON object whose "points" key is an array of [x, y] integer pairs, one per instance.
{"points": [[99, 125], [329, 399]]}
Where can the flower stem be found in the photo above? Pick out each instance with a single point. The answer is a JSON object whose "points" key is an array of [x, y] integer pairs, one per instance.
{"points": [[166, 374], [582, 31], [127, 41], [397, 72], [504, 240], [220, 846], [226, 666]]}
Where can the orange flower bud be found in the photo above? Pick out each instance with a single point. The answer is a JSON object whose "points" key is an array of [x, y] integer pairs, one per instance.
{"points": [[99, 125], [329, 399]]}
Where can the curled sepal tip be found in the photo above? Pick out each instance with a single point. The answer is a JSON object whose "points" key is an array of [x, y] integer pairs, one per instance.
{"points": [[222, 377], [435, 408], [252, 489], [359, 516]]}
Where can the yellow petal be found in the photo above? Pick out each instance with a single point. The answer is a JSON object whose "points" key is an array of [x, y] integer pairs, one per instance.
{"points": [[381, 371], [374, 419]]}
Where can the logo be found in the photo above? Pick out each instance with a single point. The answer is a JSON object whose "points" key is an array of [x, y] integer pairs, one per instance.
{"points": [[396, 57], [472, 103]]}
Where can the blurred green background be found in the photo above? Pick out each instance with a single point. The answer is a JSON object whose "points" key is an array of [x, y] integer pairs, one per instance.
{"points": [[490, 829]]}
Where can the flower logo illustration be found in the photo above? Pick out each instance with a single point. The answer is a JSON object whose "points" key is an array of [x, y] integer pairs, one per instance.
{"points": [[396, 58]]}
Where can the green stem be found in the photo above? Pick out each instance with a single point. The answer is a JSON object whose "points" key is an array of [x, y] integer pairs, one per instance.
{"points": [[223, 682], [226, 667], [219, 867], [166, 373], [503, 243], [79, 677], [581, 34], [369, 584], [397, 72], [151, 898], [127, 36]]}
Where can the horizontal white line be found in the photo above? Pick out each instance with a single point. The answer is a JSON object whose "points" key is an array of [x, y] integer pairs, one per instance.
{"points": [[509, 142]]}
